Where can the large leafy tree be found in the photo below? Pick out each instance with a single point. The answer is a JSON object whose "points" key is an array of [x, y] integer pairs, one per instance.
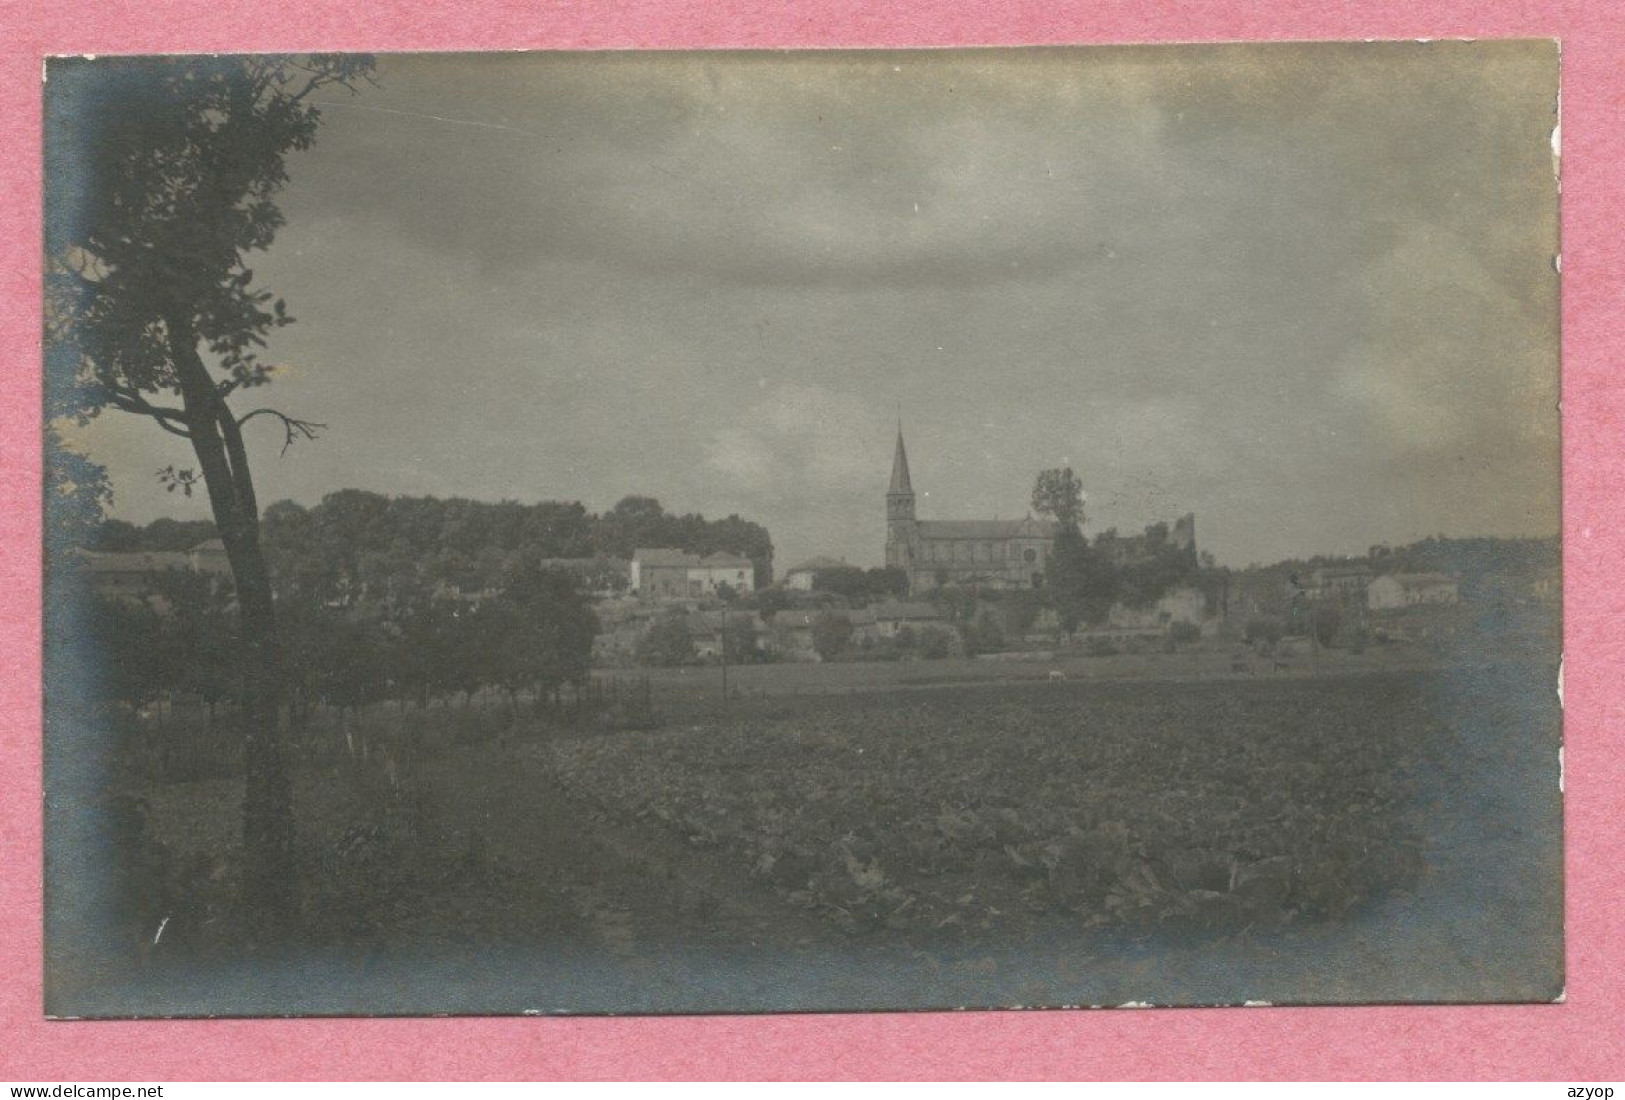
{"points": [[1059, 495], [164, 174], [1082, 584]]}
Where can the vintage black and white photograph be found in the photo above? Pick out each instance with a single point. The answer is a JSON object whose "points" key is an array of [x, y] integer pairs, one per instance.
{"points": [[675, 532]]}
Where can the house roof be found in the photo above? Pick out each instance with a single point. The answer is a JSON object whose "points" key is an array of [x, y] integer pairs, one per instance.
{"points": [[734, 619], [985, 529], [797, 620], [897, 611], [720, 560], [664, 556]]}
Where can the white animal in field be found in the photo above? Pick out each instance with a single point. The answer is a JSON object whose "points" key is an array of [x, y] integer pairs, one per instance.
{"points": [[1056, 674]]}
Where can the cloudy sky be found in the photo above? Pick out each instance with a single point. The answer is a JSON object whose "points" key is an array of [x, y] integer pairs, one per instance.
{"points": [[1307, 292]]}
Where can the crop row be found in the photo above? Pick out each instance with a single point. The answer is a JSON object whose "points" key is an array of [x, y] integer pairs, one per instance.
{"points": [[1200, 805]]}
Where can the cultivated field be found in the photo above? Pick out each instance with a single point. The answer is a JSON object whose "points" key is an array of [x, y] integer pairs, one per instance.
{"points": [[951, 835], [967, 809]]}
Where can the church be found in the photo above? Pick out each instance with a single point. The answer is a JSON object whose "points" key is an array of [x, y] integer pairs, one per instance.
{"points": [[994, 553]]}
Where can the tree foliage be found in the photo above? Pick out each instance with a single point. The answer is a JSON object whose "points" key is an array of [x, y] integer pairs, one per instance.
{"points": [[861, 586], [167, 171], [77, 494], [831, 636], [1059, 495], [358, 546], [739, 639], [184, 158], [667, 644], [1325, 622], [1083, 583]]}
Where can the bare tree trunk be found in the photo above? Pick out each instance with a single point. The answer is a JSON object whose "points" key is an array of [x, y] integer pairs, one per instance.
{"points": [[268, 832]]}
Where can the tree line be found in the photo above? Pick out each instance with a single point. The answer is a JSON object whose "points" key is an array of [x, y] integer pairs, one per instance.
{"points": [[357, 545], [532, 636]]}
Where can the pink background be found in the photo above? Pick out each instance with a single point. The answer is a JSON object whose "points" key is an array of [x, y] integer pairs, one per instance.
{"points": [[1579, 1041]]}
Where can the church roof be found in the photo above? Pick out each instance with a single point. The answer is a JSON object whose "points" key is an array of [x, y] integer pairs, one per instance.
{"points": [[899, 468], [985, 529]]}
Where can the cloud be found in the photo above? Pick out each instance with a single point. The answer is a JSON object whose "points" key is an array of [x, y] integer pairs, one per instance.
{"points": [[1452, 360], [1304, 290], [801, 443]]}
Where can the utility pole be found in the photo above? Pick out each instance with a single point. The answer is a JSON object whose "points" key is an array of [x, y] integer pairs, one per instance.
{"points": [[722, 650]]}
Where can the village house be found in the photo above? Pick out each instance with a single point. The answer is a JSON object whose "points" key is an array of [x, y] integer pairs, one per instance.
{"points": [[893, 615], [622, 624], [1338, 582], [793, 632], [668, 574], [1341, 584], [803, 576], [134, 576], [1396, 590], [209, 557], [707, 629]]}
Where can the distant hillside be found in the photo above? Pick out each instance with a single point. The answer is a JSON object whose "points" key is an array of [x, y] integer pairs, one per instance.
{"points": [[1468, 558], [1472, 559], [1478, 564]]}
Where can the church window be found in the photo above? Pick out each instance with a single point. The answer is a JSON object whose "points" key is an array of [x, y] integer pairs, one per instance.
{"points": [[1029, 555]]}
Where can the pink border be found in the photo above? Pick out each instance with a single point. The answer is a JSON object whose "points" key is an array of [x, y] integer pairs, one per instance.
{"points": [[1579, 1041]]}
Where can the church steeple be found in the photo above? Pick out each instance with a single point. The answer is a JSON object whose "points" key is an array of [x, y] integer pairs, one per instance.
{"points": [[900, 525], [899, 468]]}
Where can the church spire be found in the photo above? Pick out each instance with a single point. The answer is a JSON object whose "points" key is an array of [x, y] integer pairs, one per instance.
{"points": [[899, 467]]}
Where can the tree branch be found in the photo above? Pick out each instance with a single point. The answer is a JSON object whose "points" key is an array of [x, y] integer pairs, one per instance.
{"points": [[165, 418], [293, 428], [141, 404]]}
